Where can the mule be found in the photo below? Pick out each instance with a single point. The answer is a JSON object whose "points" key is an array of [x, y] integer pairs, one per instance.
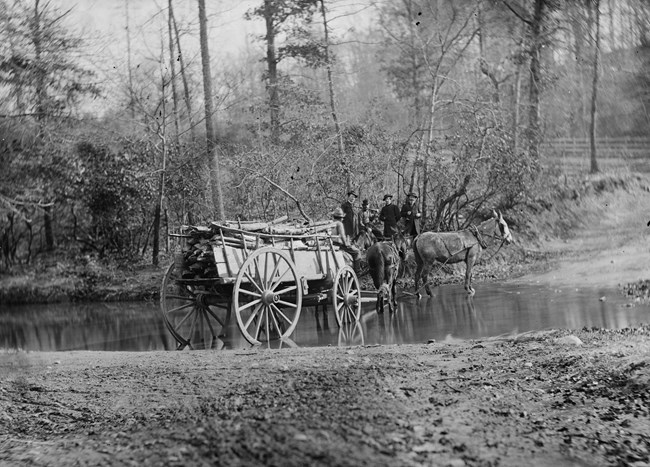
{"points": [[365, 240], [455, 247], [384, 264]]}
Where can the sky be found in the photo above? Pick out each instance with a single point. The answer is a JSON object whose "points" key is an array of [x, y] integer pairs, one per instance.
{"points": [[229, 32], [103, 25]]}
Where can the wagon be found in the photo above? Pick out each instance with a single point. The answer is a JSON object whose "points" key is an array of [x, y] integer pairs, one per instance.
{"points": [[264, 277]]}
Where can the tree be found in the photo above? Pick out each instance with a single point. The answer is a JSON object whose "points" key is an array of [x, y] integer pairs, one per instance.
{"points": [[594, 91], [288, 19], [212, 151]]}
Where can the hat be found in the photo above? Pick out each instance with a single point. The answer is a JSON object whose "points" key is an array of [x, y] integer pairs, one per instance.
{"points": [[388, 196], [338, 213], [353, 193], [412, 195], [365, 202]]}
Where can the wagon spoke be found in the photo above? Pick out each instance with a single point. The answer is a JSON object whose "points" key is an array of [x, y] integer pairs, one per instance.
{"points": [[249, 292], [261, 279], [259, 324], [287, 289], [180, 323], [276, 283], [249, 304], [282, 302], [266, 269], [179, 308], [178, 297], [252, 282], [275, 271], [279, 326], [279, 311], [253, 315], [192, 330], [214, 315], [207, 320]]}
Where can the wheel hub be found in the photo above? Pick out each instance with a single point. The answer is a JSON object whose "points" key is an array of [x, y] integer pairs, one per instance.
{"points": [[350, 299], [269, 297]]}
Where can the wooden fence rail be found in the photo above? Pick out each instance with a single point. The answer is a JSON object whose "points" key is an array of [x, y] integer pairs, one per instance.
{"points": [[572, 155]]}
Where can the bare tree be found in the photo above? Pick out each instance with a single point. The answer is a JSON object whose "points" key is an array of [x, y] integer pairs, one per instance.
{"points": [[594, 90], [212, 153], [330, 84]]}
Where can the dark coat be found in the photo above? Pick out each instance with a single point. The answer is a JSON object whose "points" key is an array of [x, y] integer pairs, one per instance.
{"points": [[390, 216], [350, 221], [411, 221]]}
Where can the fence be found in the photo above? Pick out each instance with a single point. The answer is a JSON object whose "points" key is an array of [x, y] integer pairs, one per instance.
{"points": [[572, 155]]}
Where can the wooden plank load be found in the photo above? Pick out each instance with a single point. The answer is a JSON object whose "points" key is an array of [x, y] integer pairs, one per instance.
{"points": [[218, 250]]}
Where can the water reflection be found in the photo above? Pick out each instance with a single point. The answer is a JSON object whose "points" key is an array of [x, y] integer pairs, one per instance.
{"points": [[493, 311]]}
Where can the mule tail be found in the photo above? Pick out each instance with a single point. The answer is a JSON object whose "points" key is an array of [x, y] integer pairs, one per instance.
{"points": [[376, 268]]}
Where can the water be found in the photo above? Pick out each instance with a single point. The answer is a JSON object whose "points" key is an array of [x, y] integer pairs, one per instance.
{"points": [[497, 309]]}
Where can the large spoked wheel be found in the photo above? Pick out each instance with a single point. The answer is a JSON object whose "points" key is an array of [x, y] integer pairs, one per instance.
{"points": [[267, 296], [346, 296], [194, 313]]}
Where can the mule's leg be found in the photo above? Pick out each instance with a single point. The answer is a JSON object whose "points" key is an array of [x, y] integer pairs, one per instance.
{"points": [[418, 274], [469, 262], [427, 286]]}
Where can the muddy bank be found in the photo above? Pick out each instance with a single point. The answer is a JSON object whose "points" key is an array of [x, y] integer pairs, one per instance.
{"points": [[539, 399]]}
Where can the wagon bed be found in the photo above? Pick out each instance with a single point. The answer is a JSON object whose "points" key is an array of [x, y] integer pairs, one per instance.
{"points": [[264, 276]]}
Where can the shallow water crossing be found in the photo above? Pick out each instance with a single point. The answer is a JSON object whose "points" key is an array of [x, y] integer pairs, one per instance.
{"points": [[496, 309]]}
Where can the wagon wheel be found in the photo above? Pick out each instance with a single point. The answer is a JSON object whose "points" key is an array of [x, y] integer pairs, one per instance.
{"points": [[346, 296], [194, 314], [267, 296]]}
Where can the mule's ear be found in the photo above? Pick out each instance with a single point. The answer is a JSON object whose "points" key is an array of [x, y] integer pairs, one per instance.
{"points": [[494, 214], [500, 216]]}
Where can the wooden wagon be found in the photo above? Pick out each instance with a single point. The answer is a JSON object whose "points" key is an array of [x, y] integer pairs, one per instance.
{"points": [[264, 276]]}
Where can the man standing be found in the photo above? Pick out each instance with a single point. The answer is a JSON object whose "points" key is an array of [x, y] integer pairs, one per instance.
{"points": [[350, 221], [389, 215], [411, 216], [340, 238]]}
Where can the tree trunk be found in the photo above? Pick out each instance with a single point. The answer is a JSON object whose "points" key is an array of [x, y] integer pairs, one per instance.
{"points": [[272, 68], [535, 80], [427, 152], [186, 87], [49, 230], [41, 109], [515, 110], [172, 69], [212, 153], [128, 60], [330, 84], [594, 91]]}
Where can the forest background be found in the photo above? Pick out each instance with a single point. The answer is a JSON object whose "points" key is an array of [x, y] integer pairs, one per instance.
{"points": [[460, 101]]}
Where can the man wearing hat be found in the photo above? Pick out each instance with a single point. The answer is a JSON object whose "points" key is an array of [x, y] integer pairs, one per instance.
{"points": [[411, 215], [340, 238], [389, 215], [350, 221]]}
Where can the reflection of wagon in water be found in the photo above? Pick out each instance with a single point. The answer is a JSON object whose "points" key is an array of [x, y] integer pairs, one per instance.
{"points": [[264, 276]]}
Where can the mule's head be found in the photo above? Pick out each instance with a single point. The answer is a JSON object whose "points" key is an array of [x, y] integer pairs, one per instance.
{"points": [[502, 225], [401, 244], [366, 239]]}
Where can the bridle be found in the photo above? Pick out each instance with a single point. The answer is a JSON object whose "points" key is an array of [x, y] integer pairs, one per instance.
{"points": [[479, 238]]}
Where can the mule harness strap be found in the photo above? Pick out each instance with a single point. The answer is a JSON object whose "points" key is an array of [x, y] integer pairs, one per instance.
{"points": [[477, 234]]}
